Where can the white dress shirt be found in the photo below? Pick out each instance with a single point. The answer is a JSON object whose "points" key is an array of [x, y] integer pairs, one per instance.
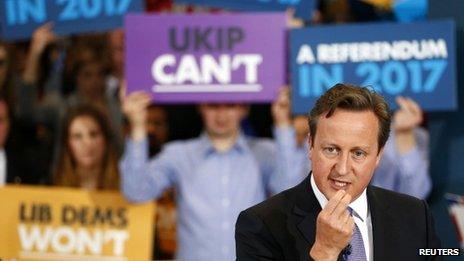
{"points": [[2, 168], [362, 219]]}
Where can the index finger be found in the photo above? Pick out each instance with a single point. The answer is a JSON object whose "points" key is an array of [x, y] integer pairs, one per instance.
{"points": [[402, 103], [342, 205], [413, 106], [47, 26], [333, 202]]}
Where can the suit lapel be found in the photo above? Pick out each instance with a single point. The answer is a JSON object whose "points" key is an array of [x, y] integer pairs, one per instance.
{"points": [[382, 226], [306, 224], [305, 211]]}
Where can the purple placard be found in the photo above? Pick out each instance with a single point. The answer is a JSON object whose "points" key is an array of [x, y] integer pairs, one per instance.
{"points": [[206, 58]]}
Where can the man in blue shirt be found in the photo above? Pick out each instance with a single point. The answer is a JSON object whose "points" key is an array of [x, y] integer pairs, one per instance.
{"points": [[216, 175]]}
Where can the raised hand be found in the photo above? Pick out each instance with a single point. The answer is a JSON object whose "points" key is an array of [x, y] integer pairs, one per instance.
{"points": [[42, 37], [408, 116], [134, 107], [334, 228], [281, 108], [405, 119]]}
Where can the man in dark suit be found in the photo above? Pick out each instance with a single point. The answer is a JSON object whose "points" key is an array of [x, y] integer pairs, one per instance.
{"points": [[334, 214], [18, 160]]}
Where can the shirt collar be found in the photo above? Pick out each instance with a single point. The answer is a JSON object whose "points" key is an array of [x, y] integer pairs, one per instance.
{"points": [[206, 146], [359, 205]]}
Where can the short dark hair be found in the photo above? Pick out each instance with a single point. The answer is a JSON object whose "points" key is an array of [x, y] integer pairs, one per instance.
{"points": [[352, 98]]}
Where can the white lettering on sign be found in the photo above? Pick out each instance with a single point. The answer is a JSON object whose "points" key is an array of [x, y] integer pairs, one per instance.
{"points": [[206, 70], [374, 51], [68, 240]]}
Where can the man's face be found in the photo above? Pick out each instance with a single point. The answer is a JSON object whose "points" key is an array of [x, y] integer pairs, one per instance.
{"points": [[90, 79], [222, 120], [345, 154]]}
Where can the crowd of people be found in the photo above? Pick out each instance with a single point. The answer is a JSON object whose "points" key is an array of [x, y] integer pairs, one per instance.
{"points": [[65, 120]]}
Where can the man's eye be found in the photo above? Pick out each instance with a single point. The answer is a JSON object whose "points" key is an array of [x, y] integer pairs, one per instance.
{"points": [[359, 154], [331, 150]]}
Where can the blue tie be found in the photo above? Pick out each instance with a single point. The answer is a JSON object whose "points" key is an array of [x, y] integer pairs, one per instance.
{"points": [[355, 250]]}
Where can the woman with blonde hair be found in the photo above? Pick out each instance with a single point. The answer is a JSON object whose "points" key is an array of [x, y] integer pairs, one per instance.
{"points": [[87, 158]]}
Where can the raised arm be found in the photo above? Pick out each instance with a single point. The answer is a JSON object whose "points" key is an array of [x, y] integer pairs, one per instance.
{"points": [[142, 178], [284, 168], [407, 153]]}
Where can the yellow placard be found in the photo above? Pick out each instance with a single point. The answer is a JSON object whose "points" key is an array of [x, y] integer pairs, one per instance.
{"points": [[47, 223]]}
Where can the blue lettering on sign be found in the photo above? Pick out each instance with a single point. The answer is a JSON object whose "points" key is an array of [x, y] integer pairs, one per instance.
{"points": [[75, 9], [392, 78], [315, 79], [70, 10], [25, 11], [90, 9], [414, 68], [21, 11], [436, 68], [304, 76], [322, 80], [110, 8], [122, 7], [371, 71]]}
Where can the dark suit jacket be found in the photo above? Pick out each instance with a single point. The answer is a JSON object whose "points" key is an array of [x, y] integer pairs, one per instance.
{"points": [[23, 167], [284, 226], [17, 171]]}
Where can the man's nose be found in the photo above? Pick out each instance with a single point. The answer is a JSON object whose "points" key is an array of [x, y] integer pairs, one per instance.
{"points": [[343, 164]]}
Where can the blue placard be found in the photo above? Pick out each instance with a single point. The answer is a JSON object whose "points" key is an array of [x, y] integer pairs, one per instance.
{"points": [[416, 60], [303, 8], [19, 18]]}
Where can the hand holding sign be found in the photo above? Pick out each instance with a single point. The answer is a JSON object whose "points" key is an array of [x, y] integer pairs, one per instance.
{"points": [[281, 108], [134, 107], [334, 228], [41, 38]]}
